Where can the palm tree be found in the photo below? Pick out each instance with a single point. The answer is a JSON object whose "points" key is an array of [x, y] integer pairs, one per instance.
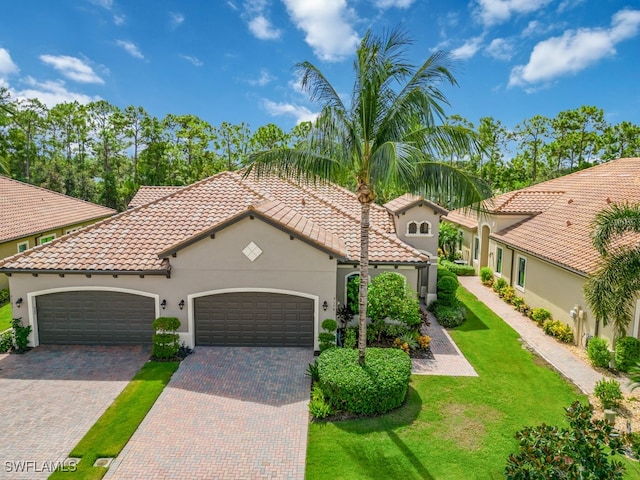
{"points": [[387, 136], [611, 289]]}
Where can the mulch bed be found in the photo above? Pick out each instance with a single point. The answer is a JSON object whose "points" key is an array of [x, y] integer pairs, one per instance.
{"points": [[388, 343]]}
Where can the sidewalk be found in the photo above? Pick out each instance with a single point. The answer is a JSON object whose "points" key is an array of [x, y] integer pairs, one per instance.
{"points": [[569, 365]]}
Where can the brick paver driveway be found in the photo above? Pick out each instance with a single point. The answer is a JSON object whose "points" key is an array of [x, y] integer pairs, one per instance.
{"points": [[51, 396], [227, 413]]}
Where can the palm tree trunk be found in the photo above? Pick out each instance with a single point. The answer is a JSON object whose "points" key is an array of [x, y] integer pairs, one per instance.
{"points": [[364, 278]]}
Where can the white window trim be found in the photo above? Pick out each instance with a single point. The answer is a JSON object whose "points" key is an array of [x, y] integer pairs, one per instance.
{"points": [[497, 273], [475, 253], [418, 225], [517, 272], [40, 242], [21, 244]]}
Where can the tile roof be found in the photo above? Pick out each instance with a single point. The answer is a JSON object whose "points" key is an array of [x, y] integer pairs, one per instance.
{"points": [[408, 200], [561, 211], [28, 210], [136, 240], [147, 194]]}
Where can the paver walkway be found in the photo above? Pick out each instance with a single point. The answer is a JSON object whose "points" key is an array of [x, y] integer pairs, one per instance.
{"points": [[447, 358], [226, 413], [563, 360], [51, 396]]}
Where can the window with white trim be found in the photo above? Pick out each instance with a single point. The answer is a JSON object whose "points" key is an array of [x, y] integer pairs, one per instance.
{"points": [[47, 239], [476, 248], [498, 260], [412, 228], [419, 228], [522, 272], [22, 246]]}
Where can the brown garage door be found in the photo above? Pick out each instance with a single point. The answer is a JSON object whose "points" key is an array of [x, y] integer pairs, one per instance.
{"points": [[254, 319], [94, 318]]}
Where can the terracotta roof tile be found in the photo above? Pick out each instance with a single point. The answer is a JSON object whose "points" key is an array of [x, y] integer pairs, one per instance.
{"points": [[408, 200], [27, 210], [133, 240], [147, 194]]}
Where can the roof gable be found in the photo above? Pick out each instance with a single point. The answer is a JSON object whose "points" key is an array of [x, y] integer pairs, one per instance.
{"points": [[405, 202]]}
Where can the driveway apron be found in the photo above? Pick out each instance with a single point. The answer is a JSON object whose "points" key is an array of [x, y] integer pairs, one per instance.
{"points": [[51, 396], [227, 413]]}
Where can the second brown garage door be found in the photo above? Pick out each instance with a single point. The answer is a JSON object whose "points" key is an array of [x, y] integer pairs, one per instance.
{"points": [[254, 319]]}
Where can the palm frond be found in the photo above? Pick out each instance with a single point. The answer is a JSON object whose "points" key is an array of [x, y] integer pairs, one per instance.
{"points": [[612, 222]]}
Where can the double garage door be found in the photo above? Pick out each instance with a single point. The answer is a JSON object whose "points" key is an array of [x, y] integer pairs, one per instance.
{"points": [[231, 319]]}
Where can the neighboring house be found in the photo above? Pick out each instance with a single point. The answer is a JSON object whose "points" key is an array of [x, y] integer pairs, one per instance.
{"points": [[31, 216], [539, 239], [239, 261]]}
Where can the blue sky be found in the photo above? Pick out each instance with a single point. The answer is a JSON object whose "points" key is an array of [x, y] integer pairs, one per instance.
{"points": [[231, 60]]}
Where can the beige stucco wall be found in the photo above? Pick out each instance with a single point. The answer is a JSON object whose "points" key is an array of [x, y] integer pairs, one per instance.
{"points": [[11, 248], [419, 213], [213, 265]]}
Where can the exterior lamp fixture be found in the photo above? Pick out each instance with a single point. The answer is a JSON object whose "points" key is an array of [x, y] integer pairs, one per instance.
{"points": [[181, 304], [325, 305], [163, 304], [19, 302]]}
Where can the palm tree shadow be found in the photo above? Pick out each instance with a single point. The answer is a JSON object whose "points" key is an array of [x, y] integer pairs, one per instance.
{"points": [[472, 323]]}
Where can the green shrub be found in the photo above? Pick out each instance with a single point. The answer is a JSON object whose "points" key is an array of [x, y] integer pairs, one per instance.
{"points": [[327, 339], [540, 315], [4, 296], [318, 406], [598, 352], [486, 275], [608, 392], [517, 302], [353, 294], [559, 330], [410, 339], [6, 341], [627, 353], [393, 330], [507, 294], [443, 272], [20, 336], [330, 325], [166, 342], [350, 339], [390, 297], [462, 270], [499, 284], [376, 387], [449, 316], [312, 371], [446, 290]]}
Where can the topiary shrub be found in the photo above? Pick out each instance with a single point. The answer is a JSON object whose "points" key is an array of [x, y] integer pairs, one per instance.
{"points": [[166, 342], [376, 387], [327, 339], [627, 353], [608, 392], [449, 316], [486, 276], [540, 315], [446, 289], [598, 352]]}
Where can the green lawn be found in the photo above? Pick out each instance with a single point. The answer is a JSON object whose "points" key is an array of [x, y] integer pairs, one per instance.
{"points": [[451, 428], [115, 427], [5, 317]]}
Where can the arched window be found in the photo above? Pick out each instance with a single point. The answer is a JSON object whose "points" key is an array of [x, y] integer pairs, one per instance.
{"points": [[425, 228], [412, 228], [419, 228]]}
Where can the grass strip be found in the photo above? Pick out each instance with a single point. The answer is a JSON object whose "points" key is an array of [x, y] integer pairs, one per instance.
{"points": [[450, 427], [117, 424], [5, 317]]}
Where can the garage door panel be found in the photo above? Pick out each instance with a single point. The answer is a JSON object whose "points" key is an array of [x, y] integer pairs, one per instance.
{"points": [[254, 319], [95, 318]]}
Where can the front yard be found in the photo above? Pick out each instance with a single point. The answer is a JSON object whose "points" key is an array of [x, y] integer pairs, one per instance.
{"points": [[451, 427]]}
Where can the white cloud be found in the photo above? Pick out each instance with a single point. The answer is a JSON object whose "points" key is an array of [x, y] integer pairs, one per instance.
{"points": [[568, 5], [73, 68], [264, 79], [393, 3], [468, 50], [232, 5], [177, 19], [119, 19], [301, 113], [326, 25], [262, 28], [295, 84], [50, 93], [500, 49], [493, 12], [130, 48], [7, 67], [575, 50], [107, 4], [194, 60]]}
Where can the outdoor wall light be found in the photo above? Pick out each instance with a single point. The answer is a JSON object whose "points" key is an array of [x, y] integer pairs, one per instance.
{"points": [[181, 304], [325, 305], [19, 302], [163, 304]]}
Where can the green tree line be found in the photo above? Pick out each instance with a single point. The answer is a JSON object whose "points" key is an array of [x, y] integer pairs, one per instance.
{"points": [[102, 153]]}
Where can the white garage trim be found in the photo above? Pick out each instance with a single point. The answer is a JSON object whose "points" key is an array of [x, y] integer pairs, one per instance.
{"points": [[33, 313], [191, 297]]}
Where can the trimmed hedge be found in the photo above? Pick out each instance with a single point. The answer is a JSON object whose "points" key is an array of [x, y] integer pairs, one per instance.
{"points": [[166, 342], [464, 270], [627, 353], [376, 387], [449, 316], [446, 289]]}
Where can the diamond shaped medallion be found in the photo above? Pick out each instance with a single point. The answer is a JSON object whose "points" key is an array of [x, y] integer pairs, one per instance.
{"points": [[252, 251]]}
